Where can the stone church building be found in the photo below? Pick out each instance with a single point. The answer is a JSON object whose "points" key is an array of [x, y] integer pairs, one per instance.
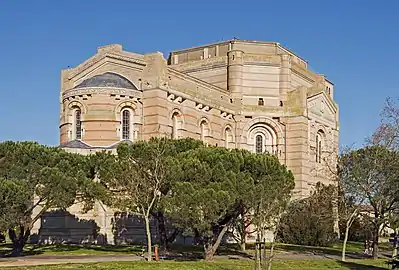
{"points": [[245, 94]]}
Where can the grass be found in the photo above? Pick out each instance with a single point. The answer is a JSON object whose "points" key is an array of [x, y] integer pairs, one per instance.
{"points": [[335, 250], [74, 250], [287, 261], [353, 248], [221, 265]]}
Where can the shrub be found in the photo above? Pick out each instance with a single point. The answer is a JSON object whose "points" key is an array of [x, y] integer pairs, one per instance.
{"points": [[309, 221]]}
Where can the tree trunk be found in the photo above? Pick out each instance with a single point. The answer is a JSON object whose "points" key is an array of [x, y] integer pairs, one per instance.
{"points": [[271, 256], [269, 263], [395, 244], [243, 241], [336, 225], [264, 256], [257, 252], [149, 245], [163, 239], [18, 240], [375, 242], [345, 240], [210, 248], [336, 217]]}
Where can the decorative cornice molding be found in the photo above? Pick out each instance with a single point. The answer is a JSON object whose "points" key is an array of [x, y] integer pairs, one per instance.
{"points": [[327, 97], [175, 98], [226, 115], [101, 90], [198, 82], [202, 107], [202, 68], [260, 59], [303, 76], [187, 95], [97, 58]]}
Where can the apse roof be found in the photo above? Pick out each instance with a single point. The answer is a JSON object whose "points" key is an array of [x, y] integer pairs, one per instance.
{"points": [[78, 144], [107, 79]]}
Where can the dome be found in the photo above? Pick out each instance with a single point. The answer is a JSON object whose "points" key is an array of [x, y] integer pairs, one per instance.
{"points": [[107, 79]]}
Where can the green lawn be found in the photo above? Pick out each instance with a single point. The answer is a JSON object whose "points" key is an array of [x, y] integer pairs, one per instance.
{"points": [[75, 250], [221, 265], [352, 247], [336, 249]]}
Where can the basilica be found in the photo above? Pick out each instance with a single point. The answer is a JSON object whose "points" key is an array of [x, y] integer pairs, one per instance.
{"points": [[245, 94]]}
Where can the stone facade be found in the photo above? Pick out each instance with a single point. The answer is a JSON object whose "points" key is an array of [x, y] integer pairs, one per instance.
{"points": [[237, 94]]}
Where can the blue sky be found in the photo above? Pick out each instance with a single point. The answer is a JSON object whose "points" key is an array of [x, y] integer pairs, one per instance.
{"points": [[353, 42]]}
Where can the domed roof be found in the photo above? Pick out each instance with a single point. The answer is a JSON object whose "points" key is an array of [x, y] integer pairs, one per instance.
{"points": [[107, 79]]}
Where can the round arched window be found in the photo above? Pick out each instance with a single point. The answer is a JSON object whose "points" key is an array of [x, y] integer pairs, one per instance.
{"points": [[126, 124], [78, 124], [259, 144]]}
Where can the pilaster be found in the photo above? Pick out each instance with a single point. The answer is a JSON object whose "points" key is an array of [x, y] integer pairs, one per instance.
{"points": [[297, 153], [285, 76]]}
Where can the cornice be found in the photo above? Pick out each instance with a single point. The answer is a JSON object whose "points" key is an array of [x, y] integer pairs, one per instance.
{"points": [[194, 96], [255, 109], [300, 72], [201, 63], [191, 49], [198, 82], [97, 58], [261, 59], [330, 102], [101, 90], [202, 68]]}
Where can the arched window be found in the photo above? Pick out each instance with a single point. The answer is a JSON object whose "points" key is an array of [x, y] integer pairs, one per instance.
{"points": [[228, 138], [176, 125], [126, 124], [259, 144], [204, 128], [319, 146], [263, 139], [78, 124]]}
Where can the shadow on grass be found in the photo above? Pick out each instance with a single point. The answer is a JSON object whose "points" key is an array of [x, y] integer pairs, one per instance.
{"points": [[30, 250], [233, 251], [5, 251], [320, 251], [84, 248], [197, 251], [359, 266]]}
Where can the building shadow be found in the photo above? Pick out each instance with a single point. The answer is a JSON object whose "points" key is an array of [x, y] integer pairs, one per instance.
{"points": [[61, 227], [130, 229]]}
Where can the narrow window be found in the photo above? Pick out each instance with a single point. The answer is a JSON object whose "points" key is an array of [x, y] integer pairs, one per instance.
{"points": [[319, 145], [258, 144], [261, 102], [78, 125], [317, 148], [203, 123], [320, 151], [174, 128], [126, 125], [228, 137]]}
